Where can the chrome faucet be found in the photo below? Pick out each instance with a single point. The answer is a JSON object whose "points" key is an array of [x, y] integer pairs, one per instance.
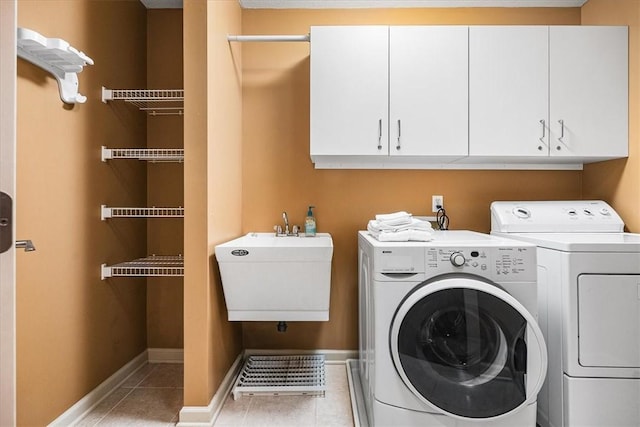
{"points": [[286, 223], [280, 232]]}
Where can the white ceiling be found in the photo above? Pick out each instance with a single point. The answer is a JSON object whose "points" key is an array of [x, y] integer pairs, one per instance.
{"points": [[350, 4]]}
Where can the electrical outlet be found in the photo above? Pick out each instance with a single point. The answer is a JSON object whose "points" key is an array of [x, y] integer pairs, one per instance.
{"points": [[435, 202]]}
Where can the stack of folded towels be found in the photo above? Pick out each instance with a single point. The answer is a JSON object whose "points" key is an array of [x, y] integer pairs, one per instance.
{"points": [[400, 227]]}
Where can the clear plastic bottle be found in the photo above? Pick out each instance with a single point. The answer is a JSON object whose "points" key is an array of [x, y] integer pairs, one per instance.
{"points": [[310, 223]]}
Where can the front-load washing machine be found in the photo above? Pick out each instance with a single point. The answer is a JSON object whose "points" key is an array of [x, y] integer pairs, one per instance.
{"points": [[448, 331], [589, 308]]}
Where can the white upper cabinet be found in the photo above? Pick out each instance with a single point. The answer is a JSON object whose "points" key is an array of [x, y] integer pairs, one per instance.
{"points": [[557, 92], [389, 92], [508, 91], [428, 96], [521, 97], [589, 92], [349, 91]]}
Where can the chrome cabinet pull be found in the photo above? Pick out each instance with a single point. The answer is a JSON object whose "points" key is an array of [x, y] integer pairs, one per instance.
{"points": [[561, 130], [559, 147], [544, 132], [399, 132], [380, 134]]}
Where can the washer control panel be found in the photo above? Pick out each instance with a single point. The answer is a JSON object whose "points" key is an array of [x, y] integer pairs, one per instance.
{"points": [[500, 263]]}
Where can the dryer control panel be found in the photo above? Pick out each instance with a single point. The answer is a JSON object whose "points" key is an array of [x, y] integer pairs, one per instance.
{"points": [[503, 264], [577, 216]]}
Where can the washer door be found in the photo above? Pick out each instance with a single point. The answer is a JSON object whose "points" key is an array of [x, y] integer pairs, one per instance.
{"points": [[466, 346]]}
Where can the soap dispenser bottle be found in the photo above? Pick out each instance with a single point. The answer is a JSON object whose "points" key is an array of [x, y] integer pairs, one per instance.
{"points": [[310, 223]]}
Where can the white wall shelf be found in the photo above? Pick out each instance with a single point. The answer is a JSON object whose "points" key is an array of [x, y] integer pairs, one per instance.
{"points": [[58, 58], [155, 102], [153, 212], [147, 154], [154, 265]]}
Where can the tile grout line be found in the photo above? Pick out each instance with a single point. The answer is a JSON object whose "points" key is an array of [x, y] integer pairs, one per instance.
{"points": [[137, 385], [115, 405], [131, 390], [123, 398], [246, 413]]}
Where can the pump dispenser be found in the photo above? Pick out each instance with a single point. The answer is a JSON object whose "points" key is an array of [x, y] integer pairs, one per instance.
{"points": [[310, 223]]}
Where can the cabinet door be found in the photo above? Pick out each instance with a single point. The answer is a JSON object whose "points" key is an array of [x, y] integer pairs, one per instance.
{"points": [[508, 91], [349, 90], [589, 91], [428, 91]]}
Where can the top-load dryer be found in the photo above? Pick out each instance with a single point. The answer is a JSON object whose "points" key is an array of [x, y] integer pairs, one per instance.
{"points": [[588, 306]]}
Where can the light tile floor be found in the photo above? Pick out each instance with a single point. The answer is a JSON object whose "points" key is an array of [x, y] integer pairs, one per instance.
{"points": [[153, 396], [332, 410]]}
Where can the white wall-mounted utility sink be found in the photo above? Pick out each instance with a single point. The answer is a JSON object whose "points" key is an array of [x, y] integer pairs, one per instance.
{"points": [[269, 278]]}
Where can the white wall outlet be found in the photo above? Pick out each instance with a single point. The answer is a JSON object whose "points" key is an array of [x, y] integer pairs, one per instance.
{"points": [[435, 202]]}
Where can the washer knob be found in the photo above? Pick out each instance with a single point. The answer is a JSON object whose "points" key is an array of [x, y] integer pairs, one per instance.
{"points": [[457, 259]]}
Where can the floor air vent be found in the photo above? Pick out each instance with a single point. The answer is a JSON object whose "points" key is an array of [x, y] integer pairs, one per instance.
{"points": [[278, 375]]}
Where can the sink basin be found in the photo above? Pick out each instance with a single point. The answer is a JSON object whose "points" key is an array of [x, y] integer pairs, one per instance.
{"points": [[269, 278]]}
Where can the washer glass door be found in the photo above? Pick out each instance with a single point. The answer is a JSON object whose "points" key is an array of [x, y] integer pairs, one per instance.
{"points": [[462, 349]]}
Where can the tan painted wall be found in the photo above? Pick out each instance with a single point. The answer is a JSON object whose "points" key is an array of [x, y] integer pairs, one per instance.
{"points": [[237, 178], [618, 181], [165, 183], [213, 189], [74, 330], [278, 175]]}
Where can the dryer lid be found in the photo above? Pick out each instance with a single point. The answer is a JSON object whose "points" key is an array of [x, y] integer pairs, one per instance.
{"points": [[579, 216]]}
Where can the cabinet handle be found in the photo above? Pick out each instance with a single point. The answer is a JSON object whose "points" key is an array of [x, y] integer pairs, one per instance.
{"points": [[561, 130], [399, 132], [380, 134], [544, 132]]}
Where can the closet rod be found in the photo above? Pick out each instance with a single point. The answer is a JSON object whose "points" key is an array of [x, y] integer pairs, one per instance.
{"points": [[275, 38]]}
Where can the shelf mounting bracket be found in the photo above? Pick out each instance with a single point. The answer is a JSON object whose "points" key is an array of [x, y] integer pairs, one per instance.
{"points": [[57, 57]]}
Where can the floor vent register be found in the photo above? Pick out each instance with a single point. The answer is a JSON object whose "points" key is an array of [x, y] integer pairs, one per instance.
{"points": [[281, 375]]}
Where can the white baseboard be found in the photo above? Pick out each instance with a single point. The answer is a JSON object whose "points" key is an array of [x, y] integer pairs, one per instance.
{"points": [[88, 402], [204, 416], [95, 396]]}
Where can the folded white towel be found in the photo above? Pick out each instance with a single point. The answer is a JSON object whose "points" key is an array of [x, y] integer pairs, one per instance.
{"points": [[391, 216], [396, 218], [399, 227], [413, 224]]}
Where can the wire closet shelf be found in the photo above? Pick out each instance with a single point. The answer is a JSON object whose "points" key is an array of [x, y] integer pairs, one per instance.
{"points": [[151, 266], [156, 102], [153, 155], [131, 212]]}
